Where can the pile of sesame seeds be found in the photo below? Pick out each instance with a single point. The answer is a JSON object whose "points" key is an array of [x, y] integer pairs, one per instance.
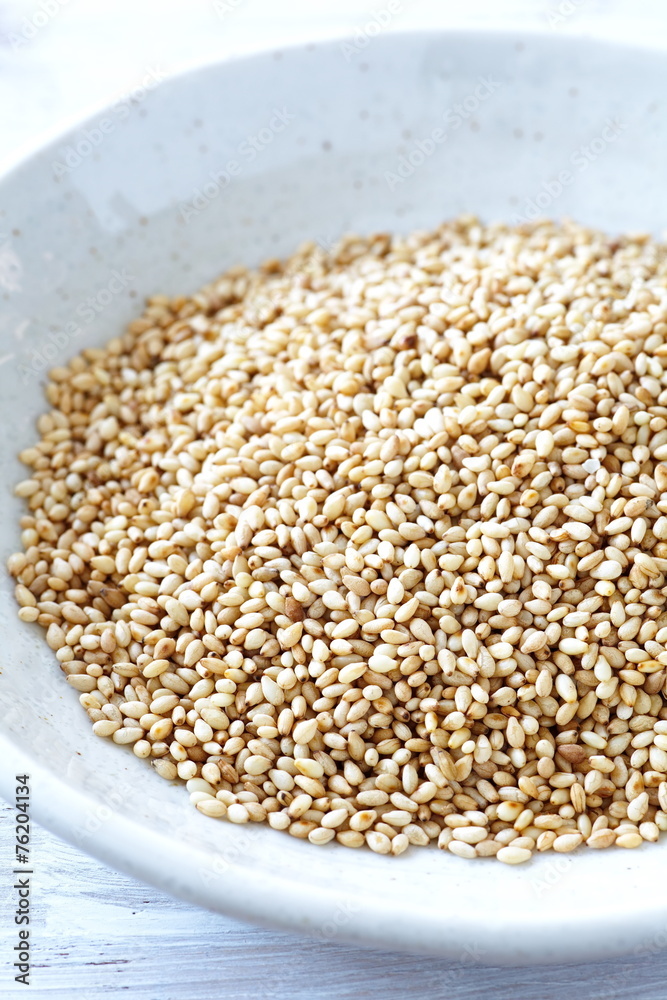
{"points": [[371, 546]]}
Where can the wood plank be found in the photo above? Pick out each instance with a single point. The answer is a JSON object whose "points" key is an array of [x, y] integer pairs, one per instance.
{"points": [[98, 934]]}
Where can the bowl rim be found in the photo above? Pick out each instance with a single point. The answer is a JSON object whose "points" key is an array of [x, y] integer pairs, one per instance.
{"points": [[270, 899]]}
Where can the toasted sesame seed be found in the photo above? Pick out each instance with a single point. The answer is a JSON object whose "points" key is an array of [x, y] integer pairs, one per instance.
{"points": [[237, 813], [511, 855], [629, 840], [378, 842], [567, 842], [370, 545]]}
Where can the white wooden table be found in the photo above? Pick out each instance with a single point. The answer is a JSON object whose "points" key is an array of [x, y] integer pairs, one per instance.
{"points": [[98, 934]]}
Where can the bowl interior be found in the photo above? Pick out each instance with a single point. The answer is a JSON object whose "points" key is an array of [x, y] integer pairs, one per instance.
{"points": [[230, 164]]}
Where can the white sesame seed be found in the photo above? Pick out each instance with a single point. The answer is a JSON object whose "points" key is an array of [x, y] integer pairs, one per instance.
{"points": [[370, 545]]}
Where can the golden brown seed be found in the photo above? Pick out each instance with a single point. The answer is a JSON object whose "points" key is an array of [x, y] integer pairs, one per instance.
{"points": [[572, 752], [294, 610], [369, 545]]}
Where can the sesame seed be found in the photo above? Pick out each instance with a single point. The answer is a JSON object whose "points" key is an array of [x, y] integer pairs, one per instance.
{"points": [[511, 855], [371, 545]]}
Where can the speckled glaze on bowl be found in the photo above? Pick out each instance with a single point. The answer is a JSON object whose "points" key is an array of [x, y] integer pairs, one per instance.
{"points": [[232, 163]]}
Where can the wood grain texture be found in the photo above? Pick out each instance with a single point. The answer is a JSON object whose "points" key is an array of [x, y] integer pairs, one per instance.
{"points": [[98, 934]]}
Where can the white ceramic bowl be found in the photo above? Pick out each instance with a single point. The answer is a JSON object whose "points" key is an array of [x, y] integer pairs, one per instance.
{"points": [[126, 206]]}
